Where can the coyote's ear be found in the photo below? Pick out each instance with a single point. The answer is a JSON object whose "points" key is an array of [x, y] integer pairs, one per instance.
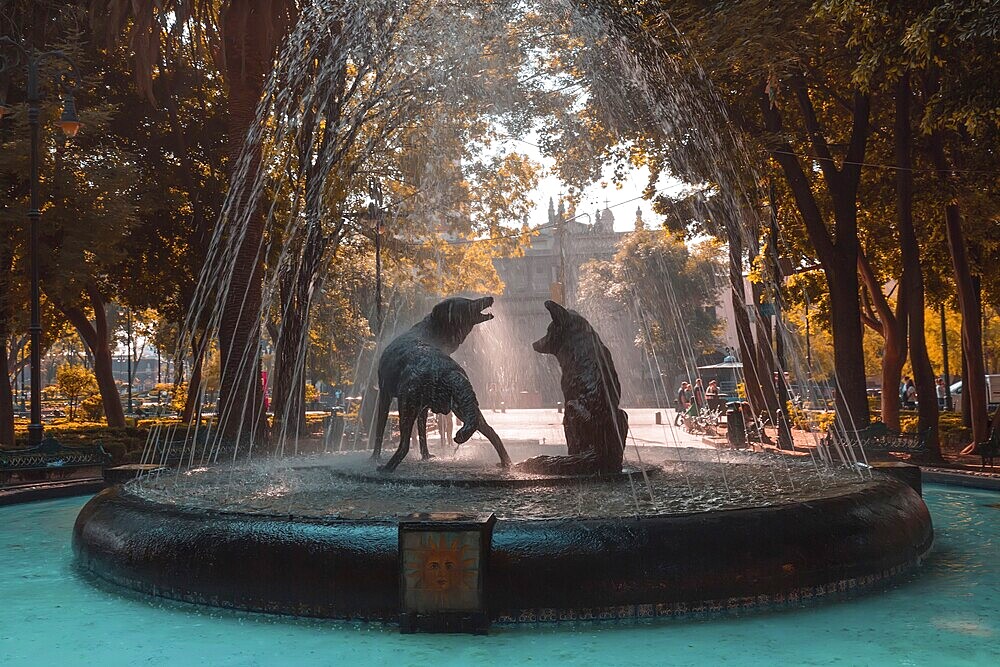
{"points": [[559, 314]]}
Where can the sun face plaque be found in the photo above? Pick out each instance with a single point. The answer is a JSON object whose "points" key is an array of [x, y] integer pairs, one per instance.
{"points": [[443, 557]]}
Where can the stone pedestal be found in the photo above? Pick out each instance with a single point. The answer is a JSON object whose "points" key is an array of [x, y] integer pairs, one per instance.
{"points": [[124, 473], [443, 559], [907, 473]]}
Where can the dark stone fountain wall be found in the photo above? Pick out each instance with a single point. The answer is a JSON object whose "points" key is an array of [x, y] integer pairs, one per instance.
{"points": [[539, 570]]}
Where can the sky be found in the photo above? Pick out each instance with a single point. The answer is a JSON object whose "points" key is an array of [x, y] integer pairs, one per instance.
{"points": [[623, 199]]}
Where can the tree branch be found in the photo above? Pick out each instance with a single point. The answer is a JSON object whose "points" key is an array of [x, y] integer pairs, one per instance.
{"points": [[868, 315], [859, 141], [882, 306], [819, 236], [819, 144]]}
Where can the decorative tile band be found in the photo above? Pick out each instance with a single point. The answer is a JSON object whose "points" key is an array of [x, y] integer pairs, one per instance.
{"points": [[707, 608]]}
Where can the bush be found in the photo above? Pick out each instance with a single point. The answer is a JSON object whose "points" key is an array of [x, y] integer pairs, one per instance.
{"points": [[75, 383], [124, 444], [809, 420], [92, 408]]}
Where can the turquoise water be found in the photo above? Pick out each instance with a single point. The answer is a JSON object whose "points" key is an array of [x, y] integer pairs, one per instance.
{"points": [[948, 613]]}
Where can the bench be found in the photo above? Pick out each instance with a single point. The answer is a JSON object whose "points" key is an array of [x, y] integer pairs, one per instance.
{"points": [[883, 439], [50, 461], [989, 449], [184, 445], [880, 438]]}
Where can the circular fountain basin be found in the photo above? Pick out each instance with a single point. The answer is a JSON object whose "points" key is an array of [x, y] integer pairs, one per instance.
{"points": [[320, 536]]}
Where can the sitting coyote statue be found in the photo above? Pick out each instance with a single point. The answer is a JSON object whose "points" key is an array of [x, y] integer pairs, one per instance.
{"points": [[594, 424]]}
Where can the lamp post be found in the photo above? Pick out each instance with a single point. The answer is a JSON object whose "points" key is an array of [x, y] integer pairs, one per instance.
{"points": [[67, 82], [21, 364]]}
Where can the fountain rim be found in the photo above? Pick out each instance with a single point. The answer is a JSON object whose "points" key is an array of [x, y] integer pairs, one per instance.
{"points": [[660, 565], [129, 494]]}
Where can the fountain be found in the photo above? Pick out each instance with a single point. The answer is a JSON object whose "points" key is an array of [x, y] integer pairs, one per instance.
{"points": [[606, 528], [351, 542]]}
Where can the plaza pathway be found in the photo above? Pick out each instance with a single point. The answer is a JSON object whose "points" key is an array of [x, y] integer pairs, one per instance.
{"points": [[545, 426]]}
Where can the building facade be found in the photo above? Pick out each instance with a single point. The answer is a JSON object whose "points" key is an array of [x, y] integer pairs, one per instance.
{"points": [[500, 358]]}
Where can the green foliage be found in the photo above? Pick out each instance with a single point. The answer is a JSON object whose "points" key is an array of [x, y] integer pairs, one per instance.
{"points": [[75, 383], [669, 291], [124, 444], [92, 408]]}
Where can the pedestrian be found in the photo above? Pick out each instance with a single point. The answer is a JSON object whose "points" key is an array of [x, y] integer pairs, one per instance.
{"points": [[942, 393], [910, 395], [682, 403], [712, 391], [445, 424], [712, 395], [902, 390], [699, 395]]}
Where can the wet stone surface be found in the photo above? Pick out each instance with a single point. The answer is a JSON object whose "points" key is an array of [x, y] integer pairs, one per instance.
{"points": [[347, 486]]}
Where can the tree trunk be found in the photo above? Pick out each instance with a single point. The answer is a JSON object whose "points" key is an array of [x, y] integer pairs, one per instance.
{"points": [[298, 287], [838, 254], [194, 384], [848, 352], [289, 412], [892, 326], [748, 350], [893, 360], [97, 337], [974, 382], [103, 371], [764, 359], [6, 393], [912, 279], [249, 43]]}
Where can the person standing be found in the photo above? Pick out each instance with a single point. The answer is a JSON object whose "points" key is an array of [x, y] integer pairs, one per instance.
{"points": [[942, 393], [910, 399], [446, 424], [712, 396], [682, 403], [699, 395], [713, 390]]}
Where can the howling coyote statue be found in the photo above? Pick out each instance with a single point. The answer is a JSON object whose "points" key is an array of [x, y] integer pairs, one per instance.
{"points": [[416, 369]]}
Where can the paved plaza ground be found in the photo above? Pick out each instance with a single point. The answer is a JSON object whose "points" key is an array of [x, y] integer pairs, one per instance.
{"points": [[545, 426]]}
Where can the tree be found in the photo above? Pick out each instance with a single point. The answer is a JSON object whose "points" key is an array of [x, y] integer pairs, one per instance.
{"points": [[391, 120], [245, 37], [75, 383], [669, 291], [948, 50], [90, 195], [785, 94]]}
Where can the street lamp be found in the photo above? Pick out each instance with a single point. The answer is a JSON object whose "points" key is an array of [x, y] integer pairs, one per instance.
{"points": [[67, 82]]}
